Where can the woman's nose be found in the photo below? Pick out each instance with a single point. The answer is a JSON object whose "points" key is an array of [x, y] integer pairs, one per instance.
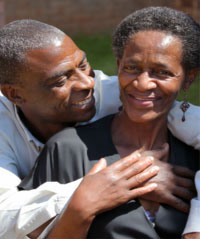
{"points": [[144, 82]]}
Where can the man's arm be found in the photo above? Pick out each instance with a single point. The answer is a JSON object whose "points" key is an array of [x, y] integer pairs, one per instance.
{"points": [[192, 229], [189, 132], [102, 191], [21, 212]]}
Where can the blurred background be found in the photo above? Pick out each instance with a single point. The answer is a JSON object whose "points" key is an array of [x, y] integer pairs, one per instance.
{"points": [[91, 23]]}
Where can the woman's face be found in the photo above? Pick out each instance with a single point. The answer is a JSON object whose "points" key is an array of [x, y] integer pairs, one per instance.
{"points": [[150, 75]]}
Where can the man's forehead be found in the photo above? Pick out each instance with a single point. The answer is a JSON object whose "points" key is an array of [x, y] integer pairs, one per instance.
{"points": [[67, 51]]}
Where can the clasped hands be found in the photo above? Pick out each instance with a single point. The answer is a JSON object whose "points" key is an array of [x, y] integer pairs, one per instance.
{"points": [[139, 175], [143, 175]]}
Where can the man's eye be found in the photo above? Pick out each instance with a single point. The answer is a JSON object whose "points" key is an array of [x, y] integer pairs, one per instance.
{"points": [[60, 82], [83, 67]]}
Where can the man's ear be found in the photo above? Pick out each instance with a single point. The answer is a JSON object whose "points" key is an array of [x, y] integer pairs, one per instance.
{"points": [[13, 93], [190, 77]]}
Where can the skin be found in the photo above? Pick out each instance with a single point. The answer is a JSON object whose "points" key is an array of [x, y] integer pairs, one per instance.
{"points": [[55, 91], [150, 75], [121, 180]]}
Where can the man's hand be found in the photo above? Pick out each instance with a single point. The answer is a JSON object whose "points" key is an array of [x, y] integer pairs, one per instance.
{"points": [[175, 183], [104, 188], [115, 184]]}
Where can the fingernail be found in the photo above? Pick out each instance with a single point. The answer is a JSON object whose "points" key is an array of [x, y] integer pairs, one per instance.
{"points": [[155, 168], [137, 155], [150, 158], [154, 185]]}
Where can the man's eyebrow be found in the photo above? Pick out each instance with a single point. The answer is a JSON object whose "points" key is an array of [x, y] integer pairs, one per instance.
{"points": [[62, 73], [55, 76], [58, 74], [83, 59]]}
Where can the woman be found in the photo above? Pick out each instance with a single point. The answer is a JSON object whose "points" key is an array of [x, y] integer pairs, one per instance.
{"points": [[156, 58]]}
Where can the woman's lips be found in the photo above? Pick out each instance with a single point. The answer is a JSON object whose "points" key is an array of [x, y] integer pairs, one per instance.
{"points": [[143, 100]]}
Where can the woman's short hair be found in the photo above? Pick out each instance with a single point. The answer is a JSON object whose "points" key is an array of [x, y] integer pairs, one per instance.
{"points": [[163, 19]]}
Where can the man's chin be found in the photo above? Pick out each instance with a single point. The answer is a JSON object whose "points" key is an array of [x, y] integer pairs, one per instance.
{"points": [[88, 116]]}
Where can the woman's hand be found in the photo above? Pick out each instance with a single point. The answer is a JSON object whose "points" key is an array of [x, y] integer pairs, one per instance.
{"points": [[175, 183]]}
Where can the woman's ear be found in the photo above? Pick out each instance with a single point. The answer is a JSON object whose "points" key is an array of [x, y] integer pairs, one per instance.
{"points": [[190, 77], [13, 93]]}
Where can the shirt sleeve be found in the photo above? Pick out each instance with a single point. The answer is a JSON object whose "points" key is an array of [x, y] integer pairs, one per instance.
{"points": [[21, 212], [193, 223], [187, 131]]}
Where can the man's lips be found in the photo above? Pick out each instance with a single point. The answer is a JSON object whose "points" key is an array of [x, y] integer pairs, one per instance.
{"points": [[83, 102]]}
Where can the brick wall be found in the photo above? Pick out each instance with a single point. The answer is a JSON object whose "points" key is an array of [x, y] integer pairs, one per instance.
{"points": [[2, 12], [86, 16]]}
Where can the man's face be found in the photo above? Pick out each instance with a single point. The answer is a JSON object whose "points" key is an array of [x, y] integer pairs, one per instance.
{"points": [[58, 85]]}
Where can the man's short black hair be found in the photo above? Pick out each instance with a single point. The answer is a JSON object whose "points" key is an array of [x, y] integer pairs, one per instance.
{"points": [[18, 37], [163, 19]]}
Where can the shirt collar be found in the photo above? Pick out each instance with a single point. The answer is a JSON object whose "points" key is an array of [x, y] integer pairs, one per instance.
{"points": [[27, 133]]}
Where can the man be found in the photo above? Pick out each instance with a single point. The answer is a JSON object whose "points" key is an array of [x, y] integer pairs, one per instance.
{"points": [[48, 85]]}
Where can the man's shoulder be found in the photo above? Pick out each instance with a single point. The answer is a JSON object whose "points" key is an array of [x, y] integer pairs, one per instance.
{"points": [[5, 104], [7, 114], [183, 154], [81, 134]]}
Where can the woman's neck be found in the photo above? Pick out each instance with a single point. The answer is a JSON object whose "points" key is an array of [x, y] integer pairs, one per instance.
{"points": [[129, 136]]}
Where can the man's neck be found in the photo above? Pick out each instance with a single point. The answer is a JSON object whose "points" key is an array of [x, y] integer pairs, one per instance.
{"points": [[39, 129]]}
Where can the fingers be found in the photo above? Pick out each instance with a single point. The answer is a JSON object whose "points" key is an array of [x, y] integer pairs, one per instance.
{"points": [[178, 204], [186, 183], [126, 161], [184, 193], [142, 177], [184, 172], [101, 164], [138, 192], [137, 167], [159, 153]]}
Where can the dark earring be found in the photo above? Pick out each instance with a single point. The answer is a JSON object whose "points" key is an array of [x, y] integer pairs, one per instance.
{"points": [[184, 106], [120, 108]]}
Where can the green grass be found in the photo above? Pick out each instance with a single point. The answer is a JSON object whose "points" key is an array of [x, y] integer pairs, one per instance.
{"points": [[99, 52], [100, 56]]}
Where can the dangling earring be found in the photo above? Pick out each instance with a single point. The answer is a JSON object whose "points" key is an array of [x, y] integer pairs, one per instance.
{"points": [[184, 106]]}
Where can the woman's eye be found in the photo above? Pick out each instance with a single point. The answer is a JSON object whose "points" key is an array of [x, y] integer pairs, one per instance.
{"points": [[132, 69], [163, 73]]}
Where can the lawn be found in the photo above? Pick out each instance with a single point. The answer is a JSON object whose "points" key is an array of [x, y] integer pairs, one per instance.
{"points": [[100, 56]]}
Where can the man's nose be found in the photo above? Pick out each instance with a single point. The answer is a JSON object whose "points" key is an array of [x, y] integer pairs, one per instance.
{"points": [[144, 82], [83, 81]]}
